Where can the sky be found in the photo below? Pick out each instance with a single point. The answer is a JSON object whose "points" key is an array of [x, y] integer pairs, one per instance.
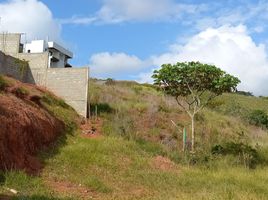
{"points": [[129, 39]]}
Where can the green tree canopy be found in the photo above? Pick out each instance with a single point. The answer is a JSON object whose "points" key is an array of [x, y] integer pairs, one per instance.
{"points": [[182, 78], [194, 84]]}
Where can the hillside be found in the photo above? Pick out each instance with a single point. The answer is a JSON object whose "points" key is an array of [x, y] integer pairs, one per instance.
{"points": [[28, 125], [133, 150]]}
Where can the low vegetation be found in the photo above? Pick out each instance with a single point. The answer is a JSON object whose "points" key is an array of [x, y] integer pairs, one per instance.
{"points": [[139, 154], [259, 118], [3, 83]]}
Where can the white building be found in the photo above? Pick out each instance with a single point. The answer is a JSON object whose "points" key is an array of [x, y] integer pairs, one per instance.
{"points": [[58, 55]]}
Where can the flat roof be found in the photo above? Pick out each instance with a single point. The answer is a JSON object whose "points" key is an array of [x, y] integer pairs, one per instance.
{"points": [[60, 48]]}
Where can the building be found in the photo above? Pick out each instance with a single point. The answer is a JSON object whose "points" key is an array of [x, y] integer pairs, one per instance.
{"points": [[47, 66], [58, 55]]}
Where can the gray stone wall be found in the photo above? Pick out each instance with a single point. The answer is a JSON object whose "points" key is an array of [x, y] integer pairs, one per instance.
{"points": [[10, 66], [72, 85], [38, 63], [10, 43]]}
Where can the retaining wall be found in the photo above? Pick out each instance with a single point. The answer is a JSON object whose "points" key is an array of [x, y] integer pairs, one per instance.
{"points": [[71, 84], [10, 42], [10, 66]]}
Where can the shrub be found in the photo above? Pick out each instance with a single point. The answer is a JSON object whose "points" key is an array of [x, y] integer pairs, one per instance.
{"points": [[21, 92], [216, 103], [3, 83], [23, 66], [244, 93], [258, 118], [110, 81], [244, 153], [100, 108]]}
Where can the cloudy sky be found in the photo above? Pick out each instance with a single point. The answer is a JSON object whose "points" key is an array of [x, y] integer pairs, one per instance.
{"points": [[128, 39]]}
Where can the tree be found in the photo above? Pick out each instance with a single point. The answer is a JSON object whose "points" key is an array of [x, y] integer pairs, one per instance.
{"points": [[193, 85]]}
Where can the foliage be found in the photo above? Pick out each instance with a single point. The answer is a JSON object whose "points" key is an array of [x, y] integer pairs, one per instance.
{"points": [[194, 85], [110, 81], [3, 83], [246, 154], [21, 92], [98, 108], [23, 66], [245, 93], [182, 79], [258, 118]]}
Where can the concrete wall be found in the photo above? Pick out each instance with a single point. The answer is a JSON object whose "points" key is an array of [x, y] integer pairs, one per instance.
{"points": [[10, 66], [72, 85], [10, 43], [69, 83], [36, 74], [38, 63]]}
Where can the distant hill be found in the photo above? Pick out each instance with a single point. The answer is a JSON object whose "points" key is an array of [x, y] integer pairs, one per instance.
{"points": [[141, 111]]}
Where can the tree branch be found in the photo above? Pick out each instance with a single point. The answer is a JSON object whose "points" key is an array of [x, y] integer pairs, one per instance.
{"points": [[178, 102]]}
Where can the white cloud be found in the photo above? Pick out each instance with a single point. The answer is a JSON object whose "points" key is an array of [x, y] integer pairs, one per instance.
{"points": [[29, 16], [231, 49], [118, 11], [253, 14], [79, 20], [142, 10], [114, 65]]}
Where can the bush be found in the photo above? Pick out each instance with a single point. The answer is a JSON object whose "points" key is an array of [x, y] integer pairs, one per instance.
{"points": [[216, 103], [245, 93], [100, 108], [21, 92], [258, 118], [245, 154], [3, 83], [110, 81]]}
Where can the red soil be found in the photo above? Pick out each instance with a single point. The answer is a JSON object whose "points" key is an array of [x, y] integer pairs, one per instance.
{"points": [[64, 187], [162, 163], [25, 129], [91, 128]]}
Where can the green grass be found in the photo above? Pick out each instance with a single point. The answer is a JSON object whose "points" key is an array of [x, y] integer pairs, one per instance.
{"points": [[115, 168], [136, 130], [3, 83]]}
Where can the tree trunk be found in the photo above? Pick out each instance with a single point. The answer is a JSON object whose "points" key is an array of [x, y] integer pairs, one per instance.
{"points": [[193, 135]]}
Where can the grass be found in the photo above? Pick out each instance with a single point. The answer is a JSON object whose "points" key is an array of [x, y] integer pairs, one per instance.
{"points": [[115, 168], [136, 130], [3, 83]]}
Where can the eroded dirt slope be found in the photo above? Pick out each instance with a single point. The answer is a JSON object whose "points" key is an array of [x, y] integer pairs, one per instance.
{"points": [[26, 127]]}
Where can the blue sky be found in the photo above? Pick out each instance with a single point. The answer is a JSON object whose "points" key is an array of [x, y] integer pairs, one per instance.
{"points": [[128, 39]]}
